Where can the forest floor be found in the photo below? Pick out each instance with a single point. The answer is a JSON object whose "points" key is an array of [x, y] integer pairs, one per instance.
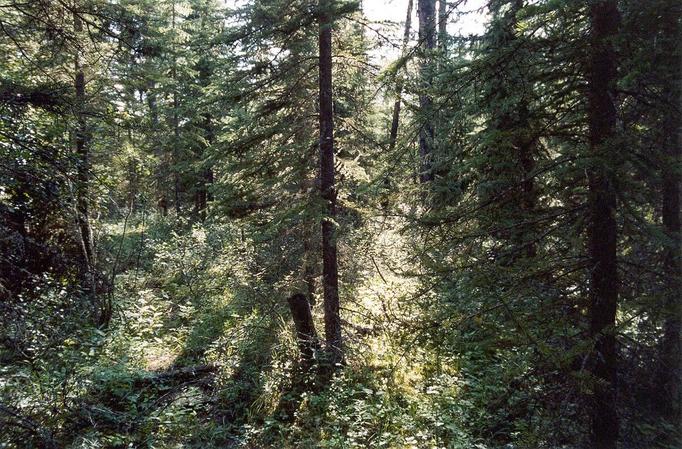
{"points": [[201, 352]]}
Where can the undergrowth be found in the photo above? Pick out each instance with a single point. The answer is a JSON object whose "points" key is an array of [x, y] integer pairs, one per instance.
{"points": [[201, 353]]}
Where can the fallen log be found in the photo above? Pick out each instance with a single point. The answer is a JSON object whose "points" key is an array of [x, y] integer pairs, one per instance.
{"points": [[176, 375]]}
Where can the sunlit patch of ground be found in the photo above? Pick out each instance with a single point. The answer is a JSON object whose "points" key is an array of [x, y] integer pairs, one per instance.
{"points": [[159, 361]]}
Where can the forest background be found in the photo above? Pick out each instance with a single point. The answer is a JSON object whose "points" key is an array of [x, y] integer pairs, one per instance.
{"points": [[340, 224]]}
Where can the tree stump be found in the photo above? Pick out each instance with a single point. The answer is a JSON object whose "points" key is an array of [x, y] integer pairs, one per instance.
{"points": [[306, 334]]}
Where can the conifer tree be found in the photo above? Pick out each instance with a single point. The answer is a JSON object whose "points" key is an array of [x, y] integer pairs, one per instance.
{"points": [[330, 277], [602, 228], [426, 10], [671, 368]]}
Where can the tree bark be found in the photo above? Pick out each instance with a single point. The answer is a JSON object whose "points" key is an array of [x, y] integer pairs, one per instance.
{"points": [[83, 168], [427, 43], [670, 370], [133, 184], [332, 321], [161, 170], [602, 228], [176, 125], [443, 27], [306, 334], [206, 176]]}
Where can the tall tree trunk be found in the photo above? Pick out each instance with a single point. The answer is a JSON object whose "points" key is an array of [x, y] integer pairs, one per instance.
{"points": [[176, 124], [332, 319], [203, 194], [83, 169], [670, 371], [133, 184], [83, 177], [161, 172], [602, 228], [393, 136], [443, 26], [176, 158], [427, 42], [206, 177], [206, 174], [210, 176]]}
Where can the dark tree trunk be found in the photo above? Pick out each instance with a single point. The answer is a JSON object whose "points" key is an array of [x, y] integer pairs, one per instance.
{"points": [[200, 202], [427, 42], [176, 157], [162, 173], [670, 370], [203, 194], [306, 334], [161, 170], [526, 154], [332, 320], [209, 180], [602, 228], [206, 176], [177, 187], [83, 176], [83, 161], [133, 184], [395, 122]]}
